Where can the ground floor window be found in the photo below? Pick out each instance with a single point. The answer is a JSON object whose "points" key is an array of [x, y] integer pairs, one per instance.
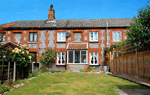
{"points": [[93, 58], [60, 58], [77, 56]]}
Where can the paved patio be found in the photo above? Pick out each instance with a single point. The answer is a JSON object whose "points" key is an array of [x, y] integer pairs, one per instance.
{"points": [[133, 91]]}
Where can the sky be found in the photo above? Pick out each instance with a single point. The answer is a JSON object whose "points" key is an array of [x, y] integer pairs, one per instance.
{"points": [[22, 10]]}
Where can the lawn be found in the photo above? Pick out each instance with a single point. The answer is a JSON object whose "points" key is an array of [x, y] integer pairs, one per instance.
{"points": [[74, 84]]}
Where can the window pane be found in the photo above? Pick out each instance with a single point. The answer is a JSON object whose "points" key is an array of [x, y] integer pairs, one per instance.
{"points": [[91, 36], [113, 36], [59, 36], [63, 58], [31, 36], [70, 56], [4, 38], [59, 57], [77, 56], [83, 56], [63, 36], [35, 36], [96, 57], [96, 36], [120, 36], [91, 57]]}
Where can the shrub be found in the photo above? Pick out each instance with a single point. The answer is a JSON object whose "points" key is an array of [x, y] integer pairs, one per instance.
{"points": [[64, 70], [69, 70], [94, 70], [89, 68], [48, 57], [3, 88], [52, 71], [81, 70], [30, 75]]}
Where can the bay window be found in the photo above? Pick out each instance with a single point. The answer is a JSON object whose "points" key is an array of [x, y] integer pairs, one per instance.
{"points": [[77, 56], [93, 36], [93, 58], [60, 58]]}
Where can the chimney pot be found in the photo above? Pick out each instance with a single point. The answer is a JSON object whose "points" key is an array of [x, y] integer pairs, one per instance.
{"points": [[51, 6]]}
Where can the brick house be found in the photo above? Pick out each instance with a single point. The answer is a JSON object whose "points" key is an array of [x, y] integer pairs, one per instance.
{"points": [[79, 42]]}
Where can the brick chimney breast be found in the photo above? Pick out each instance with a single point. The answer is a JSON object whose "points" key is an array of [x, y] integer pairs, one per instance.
{"points": [[51, 13]]}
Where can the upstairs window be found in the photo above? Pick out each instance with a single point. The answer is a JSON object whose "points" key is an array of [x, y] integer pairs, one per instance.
{"points": [[61, 58], [117, 36], [61, 36], [93, 36], [33, 37], [2, 37]]}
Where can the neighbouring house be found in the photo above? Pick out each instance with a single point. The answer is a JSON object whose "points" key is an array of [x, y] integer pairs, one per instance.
{"points": [[79, 43]]}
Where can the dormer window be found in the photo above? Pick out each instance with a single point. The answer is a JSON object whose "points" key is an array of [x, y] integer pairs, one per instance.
{"points": [[61, 36]]}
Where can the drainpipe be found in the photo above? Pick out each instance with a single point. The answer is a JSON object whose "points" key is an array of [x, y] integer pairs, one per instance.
{"points": [[107, 34]]}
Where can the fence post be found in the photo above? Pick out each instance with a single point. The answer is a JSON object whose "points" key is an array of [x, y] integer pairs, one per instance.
{"points": [[143, 65], [14, 75], [131, 67], [137, 67], [2, 70], [8, 69]]}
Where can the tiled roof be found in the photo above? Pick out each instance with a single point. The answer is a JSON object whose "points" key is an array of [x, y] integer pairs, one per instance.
{"points": [[77, 46], [70, 23]]}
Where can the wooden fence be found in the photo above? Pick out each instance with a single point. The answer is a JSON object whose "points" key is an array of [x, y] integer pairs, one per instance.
{"points": [[129, 61]]}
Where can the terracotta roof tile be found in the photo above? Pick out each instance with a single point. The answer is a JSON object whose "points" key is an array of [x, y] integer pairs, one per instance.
{"points": [[77, 46]]}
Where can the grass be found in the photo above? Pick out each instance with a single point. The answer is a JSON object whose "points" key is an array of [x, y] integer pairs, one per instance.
{"points": [[74, 84]]}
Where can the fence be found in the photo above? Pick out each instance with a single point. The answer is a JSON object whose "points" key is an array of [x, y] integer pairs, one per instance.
{"points": [[129, 61]]}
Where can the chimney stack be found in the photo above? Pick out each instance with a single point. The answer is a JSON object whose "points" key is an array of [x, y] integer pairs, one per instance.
{"points": [[51, 13]]}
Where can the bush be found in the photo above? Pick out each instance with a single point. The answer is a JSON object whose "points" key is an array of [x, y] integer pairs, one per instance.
{"points": [[30, 75], [81, 70], [69, 70], [52, 71], [3, 88], [89, 68], [64, 70]]}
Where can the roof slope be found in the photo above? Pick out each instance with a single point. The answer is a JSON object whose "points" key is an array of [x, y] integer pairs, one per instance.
{"points": [[70, 23]]}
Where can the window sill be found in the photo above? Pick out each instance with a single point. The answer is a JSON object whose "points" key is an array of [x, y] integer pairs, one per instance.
{"points": [[32, 42], [94, 65], [61, 41], [77, 63], [60, 64], [93, 41]]}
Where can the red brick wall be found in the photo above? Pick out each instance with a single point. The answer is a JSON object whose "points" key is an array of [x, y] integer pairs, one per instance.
{"points": [[83, 34]]}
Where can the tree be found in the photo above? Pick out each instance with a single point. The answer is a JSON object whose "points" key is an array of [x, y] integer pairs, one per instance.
{"points": [[139, 34], [48, 57]]}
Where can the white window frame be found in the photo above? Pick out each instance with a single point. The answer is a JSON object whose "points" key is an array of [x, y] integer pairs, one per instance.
{"points": [[61, 58], [94, 59], [118, 38], [93, 36], [74, 57], [61, 37], [3, 36]]}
